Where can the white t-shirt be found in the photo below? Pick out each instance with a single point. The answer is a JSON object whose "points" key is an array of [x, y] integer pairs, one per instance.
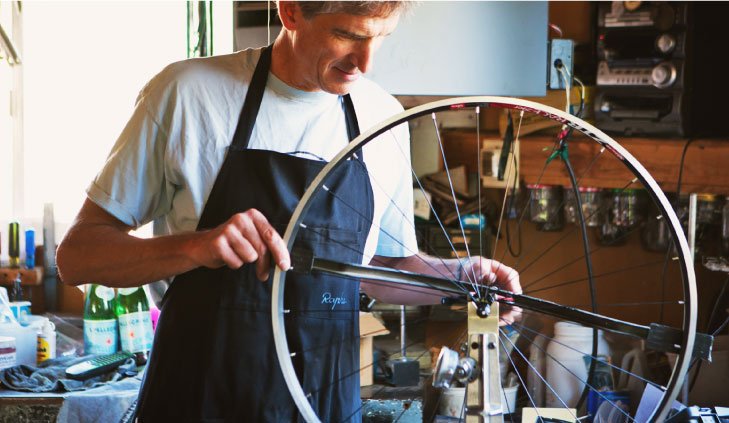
{"points": [[166, 159]]}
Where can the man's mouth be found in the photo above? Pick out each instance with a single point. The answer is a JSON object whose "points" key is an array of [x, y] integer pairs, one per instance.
{"points": [[351, 75]]}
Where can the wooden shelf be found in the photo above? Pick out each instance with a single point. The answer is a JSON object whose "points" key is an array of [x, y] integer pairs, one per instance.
{"points": [[706, 167], [29, 277]]}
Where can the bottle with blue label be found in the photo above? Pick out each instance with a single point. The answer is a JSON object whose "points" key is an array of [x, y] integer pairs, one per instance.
{"points": [[100, 324], [135, 322]]}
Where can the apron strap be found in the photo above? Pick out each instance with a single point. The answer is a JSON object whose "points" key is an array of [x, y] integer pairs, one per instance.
{"points": [[252, 104], [350, 116], [253, 101]]}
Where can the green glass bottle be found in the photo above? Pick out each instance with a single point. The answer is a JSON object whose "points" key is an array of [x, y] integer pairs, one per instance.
{"points": [[14, 244], [135, 322], [100, 324]]}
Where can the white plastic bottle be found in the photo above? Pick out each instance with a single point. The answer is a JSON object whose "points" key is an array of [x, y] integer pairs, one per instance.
{"points": [[47, 341], [26, 341], [565, 363]]}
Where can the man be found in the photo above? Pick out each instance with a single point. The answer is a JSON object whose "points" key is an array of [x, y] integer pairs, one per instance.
{"points": [[217, 153]]}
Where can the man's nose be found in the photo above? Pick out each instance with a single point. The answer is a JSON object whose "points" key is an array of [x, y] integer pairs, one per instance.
{"points": [[364, 56]]}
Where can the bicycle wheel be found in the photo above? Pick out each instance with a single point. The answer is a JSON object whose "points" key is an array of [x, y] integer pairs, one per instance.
{"points": [[565, 275]]}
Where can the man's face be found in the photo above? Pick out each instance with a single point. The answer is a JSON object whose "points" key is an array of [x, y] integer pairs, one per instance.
{"points": [[333, 50]]}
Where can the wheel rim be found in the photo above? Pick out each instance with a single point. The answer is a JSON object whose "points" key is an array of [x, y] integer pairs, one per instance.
{"points": [[656, 194]]}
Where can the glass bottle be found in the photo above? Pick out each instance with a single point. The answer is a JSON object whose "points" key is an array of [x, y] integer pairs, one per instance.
{"points": [[100, 325], [14, 244], [135, 322]]}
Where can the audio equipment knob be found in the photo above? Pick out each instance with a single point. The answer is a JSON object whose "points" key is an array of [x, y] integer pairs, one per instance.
{"points": [[665, 43], [631, 6], [605, 106], [663, 75]]}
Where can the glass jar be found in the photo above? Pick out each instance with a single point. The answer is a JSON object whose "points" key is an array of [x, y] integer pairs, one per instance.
{"points": [[627, 207], [590, 199], [655, 235], [545, 207], [707, 209]]}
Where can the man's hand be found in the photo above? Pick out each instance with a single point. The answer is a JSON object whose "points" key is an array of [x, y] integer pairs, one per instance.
{"points": [[245, 238], [492, 272]]}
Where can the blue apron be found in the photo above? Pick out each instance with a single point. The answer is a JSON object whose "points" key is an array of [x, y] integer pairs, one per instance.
{"points": [[213, 357]]}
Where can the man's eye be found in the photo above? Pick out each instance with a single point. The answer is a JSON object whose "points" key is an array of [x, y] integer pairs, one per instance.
{"points": [[348, 37]]}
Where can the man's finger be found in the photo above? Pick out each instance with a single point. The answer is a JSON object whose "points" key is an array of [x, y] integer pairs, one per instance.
{"points": [[506, 277], [273, 241], [240, 245], [229, 257]]}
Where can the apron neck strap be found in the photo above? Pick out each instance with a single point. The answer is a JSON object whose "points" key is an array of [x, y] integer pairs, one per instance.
{"points": [[252, 104]]}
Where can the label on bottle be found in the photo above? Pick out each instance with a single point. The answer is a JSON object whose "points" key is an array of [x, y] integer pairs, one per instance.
{"points": [[104, 292], [7, 352], [100, 336], [46, 348], [135, 330]]}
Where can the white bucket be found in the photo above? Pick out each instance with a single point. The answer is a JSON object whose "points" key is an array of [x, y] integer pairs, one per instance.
{"points": [[565, 362]]}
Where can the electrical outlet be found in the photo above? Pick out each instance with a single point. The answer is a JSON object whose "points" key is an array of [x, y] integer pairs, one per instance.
{"points": [[561, 51]]}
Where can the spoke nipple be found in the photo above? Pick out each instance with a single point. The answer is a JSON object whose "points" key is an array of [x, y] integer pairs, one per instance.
{"points": [[634, 180], [302, 225], [287, 311], [659, 217], [674, 258], [326, 188], [293, 354]]}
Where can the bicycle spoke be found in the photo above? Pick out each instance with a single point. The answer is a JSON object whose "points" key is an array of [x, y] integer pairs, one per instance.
{"points": [[539, 269], [521, 379], [618, 368], [571, 231], [561, 400], [587, 384], [455, 203], [613, 272]]}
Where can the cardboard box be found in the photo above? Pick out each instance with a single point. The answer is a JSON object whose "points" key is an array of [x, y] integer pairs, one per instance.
{"points": [[369, 327]]}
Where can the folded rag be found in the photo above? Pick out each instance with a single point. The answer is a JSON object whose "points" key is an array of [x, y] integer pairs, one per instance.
{"points": [[49, 376]]}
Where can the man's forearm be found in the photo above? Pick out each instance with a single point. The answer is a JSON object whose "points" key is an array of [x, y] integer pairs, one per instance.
{"points": [[106, 255], [391, 293]]}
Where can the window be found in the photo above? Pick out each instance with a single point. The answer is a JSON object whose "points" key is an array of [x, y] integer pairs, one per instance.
{"points": [[84, 64]]}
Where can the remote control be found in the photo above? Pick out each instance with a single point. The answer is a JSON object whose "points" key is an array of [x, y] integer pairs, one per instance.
{"points": [[97, 365]]}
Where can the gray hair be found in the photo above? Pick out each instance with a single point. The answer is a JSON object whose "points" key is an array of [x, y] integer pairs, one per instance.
{"points": [[359, 8]]}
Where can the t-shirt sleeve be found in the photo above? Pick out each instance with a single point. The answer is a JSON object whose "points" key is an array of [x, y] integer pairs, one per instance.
{"points": [[397, 228], [132, 185]]}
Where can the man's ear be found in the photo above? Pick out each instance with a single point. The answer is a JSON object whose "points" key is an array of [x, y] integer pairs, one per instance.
{"points": [[289, 13]]}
